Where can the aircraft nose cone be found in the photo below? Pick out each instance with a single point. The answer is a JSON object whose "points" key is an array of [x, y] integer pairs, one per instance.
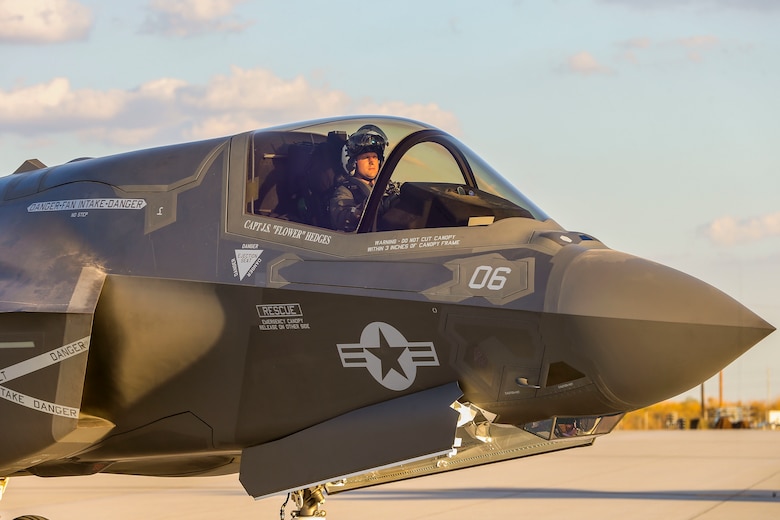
{"points": [[650, 332]]}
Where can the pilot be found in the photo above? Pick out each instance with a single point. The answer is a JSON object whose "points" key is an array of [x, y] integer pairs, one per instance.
{"points": [[365, 153]]}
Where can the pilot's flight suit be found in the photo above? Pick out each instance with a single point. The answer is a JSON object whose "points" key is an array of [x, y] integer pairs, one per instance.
{"points": [[347, 204]]}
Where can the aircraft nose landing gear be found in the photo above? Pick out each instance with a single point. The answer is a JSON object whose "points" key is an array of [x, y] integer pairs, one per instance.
{"points": [[307, 501]]}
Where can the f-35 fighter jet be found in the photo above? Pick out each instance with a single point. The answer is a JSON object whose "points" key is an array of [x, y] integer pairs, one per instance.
{"points": [[320, 307]]}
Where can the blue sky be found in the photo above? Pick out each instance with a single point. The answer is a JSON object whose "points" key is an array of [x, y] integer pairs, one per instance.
{"points": [[651, 124]]}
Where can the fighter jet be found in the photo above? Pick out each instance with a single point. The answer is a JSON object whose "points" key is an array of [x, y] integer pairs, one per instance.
{"points": [[260, 304]]}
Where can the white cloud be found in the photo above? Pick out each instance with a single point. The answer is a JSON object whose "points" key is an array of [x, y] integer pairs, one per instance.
{"points": [[695, 48], [698, 42], [163, 88], [728, 230], [584, 63], [201, 10], [225, 125], [55, 101], [629, 48], [261, 90], [192, 17], [696, 45], [636, 43], [255, 98], [121, 136], [169, 109], [43, 21], [429, 113]]}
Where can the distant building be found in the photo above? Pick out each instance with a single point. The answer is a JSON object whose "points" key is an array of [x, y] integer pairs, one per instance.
{"points": [[733, 417], [773, 419]]}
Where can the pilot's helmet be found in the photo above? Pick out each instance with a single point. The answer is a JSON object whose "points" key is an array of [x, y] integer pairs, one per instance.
{"points": [[368, 138]]}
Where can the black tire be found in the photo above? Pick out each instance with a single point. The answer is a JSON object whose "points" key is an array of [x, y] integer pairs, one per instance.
{"points": [[31, 517]]}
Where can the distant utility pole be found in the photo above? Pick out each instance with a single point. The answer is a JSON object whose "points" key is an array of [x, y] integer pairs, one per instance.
{"points": [[768, 387], [720, 389], [703, 408], [768, 393]]}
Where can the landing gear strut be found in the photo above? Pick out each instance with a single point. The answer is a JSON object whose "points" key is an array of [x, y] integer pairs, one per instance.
{"points": [[307, 501]]}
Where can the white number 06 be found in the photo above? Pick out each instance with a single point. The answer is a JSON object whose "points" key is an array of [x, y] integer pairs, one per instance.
{"points": [[486, 275]]}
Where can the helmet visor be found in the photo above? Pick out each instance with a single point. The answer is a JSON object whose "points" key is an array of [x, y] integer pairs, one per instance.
{"points": [[366, 140]]}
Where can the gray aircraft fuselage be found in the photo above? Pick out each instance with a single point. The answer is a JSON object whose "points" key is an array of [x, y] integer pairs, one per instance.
{"points": [[172, 311]]}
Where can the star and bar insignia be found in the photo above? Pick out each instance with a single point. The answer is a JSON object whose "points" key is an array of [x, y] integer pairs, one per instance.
{"points": [[388, 356]]}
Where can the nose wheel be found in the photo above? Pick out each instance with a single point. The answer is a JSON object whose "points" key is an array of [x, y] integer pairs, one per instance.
{"points": [[307, 501]]}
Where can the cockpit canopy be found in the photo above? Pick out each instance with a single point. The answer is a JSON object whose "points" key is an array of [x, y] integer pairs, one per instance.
{"points": [[428, 179]]}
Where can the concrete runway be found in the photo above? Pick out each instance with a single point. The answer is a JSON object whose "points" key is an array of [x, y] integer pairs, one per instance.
{"points": [[664, 474]]}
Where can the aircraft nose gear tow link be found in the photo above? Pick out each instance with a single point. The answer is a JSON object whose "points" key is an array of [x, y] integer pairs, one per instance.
{"points": [[307, 501]]}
